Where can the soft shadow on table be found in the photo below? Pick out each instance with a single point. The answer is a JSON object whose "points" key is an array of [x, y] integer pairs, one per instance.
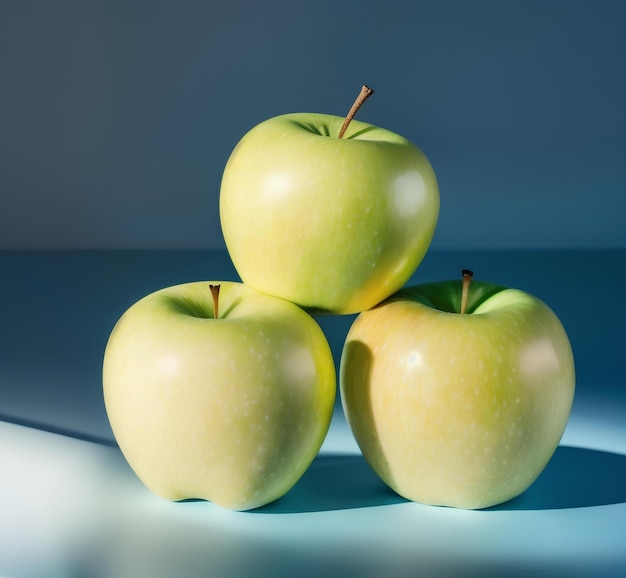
{"points": [[58, 430], [334, 482], [575, 478]]}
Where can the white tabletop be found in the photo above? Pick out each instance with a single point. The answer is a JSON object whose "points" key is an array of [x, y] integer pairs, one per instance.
{"points": [[70, 506]]}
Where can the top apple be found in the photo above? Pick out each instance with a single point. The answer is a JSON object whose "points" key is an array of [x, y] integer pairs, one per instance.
{"points": [[331, 224]]}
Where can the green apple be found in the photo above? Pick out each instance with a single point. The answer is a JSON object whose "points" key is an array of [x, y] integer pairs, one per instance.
{"points": [[458, 409], [332, 224], [230, 409]]}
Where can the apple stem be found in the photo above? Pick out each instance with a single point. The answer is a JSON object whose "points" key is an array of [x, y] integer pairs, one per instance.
{"points": [[215, 293], [467, 279], [365, 93]]}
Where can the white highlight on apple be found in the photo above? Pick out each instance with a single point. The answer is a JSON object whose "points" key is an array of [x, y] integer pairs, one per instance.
{"points": [[539, 358], [409, 193]]}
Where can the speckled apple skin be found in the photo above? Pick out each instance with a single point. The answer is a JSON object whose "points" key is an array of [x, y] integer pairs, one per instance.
{"points": [[231, 410], [331, 224], [458, 410]]}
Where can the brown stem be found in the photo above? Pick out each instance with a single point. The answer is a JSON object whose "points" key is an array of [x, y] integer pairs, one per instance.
{"points": [[467, 279], [215, 293], [365, 93]]}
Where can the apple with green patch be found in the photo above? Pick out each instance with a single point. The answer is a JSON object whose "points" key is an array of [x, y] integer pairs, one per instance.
{"points": [[332, 214], [218, 392], [458, 395]]}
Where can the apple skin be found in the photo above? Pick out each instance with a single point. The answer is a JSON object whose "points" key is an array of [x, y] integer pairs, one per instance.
{"points": [[334, 225], [231, 410], [458, 410]]}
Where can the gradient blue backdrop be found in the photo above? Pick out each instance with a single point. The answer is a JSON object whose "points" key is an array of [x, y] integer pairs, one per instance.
{"points": [[117, 117]]}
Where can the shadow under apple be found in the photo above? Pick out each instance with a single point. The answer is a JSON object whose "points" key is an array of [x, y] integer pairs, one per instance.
{"points": [[575, 478], [334, 482]]}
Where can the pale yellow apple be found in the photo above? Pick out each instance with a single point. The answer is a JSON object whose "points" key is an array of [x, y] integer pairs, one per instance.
{"points": [[232, 409], [458, 409], [330, 224]]}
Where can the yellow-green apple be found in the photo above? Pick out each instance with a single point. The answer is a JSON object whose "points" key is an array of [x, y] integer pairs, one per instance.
{"points": [[332, 224], [458, 409], [224, 395]]}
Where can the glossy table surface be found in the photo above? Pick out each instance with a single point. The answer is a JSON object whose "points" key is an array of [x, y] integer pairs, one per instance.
{"points": [[71, 507]]}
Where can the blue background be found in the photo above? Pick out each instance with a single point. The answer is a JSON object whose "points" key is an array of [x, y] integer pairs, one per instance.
{"points": [[117, 118]]}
